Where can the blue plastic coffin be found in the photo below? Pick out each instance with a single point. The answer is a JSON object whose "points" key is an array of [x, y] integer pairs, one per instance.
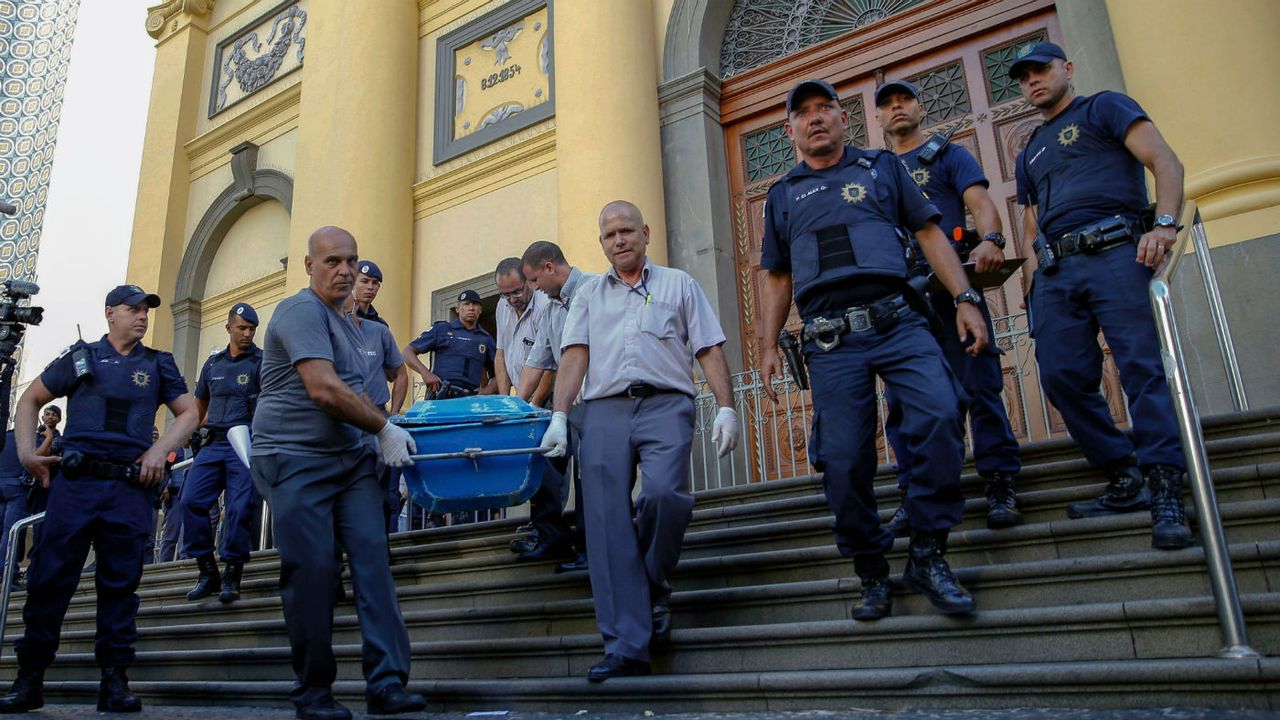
{"points": [[476, 426]]}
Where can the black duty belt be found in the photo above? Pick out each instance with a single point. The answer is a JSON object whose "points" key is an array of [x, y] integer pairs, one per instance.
{"points": [[1098, 236], [643, 390], [213, 435], [99, 467], [878, 316]]}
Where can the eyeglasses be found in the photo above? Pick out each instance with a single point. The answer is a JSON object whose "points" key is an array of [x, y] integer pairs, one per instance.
{"points": [[513, 294]]}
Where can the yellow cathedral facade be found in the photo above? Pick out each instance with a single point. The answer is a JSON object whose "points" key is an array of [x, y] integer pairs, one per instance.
{"points": [[449, 134]]}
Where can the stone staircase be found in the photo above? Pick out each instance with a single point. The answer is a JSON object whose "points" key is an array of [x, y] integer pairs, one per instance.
{"points": [[1073, 613]]}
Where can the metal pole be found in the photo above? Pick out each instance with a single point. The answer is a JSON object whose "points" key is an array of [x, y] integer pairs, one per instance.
{"points": [[6, 586], [266, 525], [1218, 315]]}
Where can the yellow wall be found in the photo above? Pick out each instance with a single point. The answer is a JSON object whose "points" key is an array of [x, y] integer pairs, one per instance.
{"points": [[1201, 70], [251, 250]]}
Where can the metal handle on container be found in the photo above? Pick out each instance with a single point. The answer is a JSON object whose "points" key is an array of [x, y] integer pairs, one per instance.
{"points": [[473, 453]]}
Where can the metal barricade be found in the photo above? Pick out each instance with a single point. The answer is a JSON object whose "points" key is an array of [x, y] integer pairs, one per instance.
{"points": [[1217, 555]]}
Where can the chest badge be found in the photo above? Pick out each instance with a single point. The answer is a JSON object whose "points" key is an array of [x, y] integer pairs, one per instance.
{"points": [[853, 193], [242, 379], [481, 348], [921, 176], [141, 378], [1068, 135]]}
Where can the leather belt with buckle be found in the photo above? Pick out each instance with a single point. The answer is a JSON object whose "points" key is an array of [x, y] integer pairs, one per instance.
{"points": [[1097, 236], [826, 332]]}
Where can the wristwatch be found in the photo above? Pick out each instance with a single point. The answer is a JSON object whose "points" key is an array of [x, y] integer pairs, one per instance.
{"points": [[995, 238], [1167, 220], [970, 296]]}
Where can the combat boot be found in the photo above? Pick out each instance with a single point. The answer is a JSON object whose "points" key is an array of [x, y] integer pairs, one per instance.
{"points": [[1125, 493], [231, 582], [929, 574], [209, 580], [898, 524], [877, 593], [113, 692], [1169, 530], [26, 694], [1002, 502]]}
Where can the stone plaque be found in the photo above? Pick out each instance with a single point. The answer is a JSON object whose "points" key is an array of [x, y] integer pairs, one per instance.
{"points": [[265, 50]]}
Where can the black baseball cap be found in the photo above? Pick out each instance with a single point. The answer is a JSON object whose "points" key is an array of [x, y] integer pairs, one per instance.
{"points": [[469, 296], [1039, 54], [370, 268], [896, 86], [806, 88], [132, 295]]}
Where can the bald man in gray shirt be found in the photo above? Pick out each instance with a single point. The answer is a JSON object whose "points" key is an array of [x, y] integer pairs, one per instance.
{"points": [[628, 344]]}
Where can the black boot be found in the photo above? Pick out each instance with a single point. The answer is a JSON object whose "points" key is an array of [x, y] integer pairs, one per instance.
{"points": [[113, 692], [877, 594], [1125, 493], [898, 524], [1169, 530], [26, 694], [209, 579], [1002, 502], [929, 574], [231, 582]]}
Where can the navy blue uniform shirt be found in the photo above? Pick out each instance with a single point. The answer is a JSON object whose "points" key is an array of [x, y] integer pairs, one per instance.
{"points": [[230, 386], [462, 355], [1076, 168], [825, 226], [11, 470], [953, 171], [112, 413]]}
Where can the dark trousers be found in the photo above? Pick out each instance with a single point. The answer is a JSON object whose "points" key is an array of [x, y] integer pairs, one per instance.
{"points": [[319, 503], [218, 469], [13, 496], [628, 557], [546, 506], [1107, 291], [908, 359], [115, 517]]}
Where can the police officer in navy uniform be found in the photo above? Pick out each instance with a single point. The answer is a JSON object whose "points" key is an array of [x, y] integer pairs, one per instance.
{"points": [[226, 394], [464, 353], [952, 180], [104, 494], [368, 285], [1080, 179], [833, 235]]}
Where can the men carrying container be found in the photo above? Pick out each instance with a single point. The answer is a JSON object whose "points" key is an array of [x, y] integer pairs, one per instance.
{"points": [[833, 237], [226, 394], [952, 180], [103, 497], [464, 353], [547, 269], [632, 335], [1080, 179], [312, 463]]}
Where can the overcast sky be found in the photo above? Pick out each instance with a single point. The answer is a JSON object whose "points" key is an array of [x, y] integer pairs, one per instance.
{"points": [[84, 247]]}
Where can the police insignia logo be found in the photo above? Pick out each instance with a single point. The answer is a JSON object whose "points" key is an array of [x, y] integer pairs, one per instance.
{"points": [[853, 193], [1068, 135], [364, 269], [141, 378], [240, 310], [242, 379], [481, 348], [921, 176]]}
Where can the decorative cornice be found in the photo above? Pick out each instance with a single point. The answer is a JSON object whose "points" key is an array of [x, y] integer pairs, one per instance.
{"points": [[267, 288], [696, 93], [211, 149], [444, 190], [159, 15]]}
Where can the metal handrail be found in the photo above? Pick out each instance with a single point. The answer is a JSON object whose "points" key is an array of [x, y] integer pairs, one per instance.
{"points": [[1221, 578], [11, 553]]}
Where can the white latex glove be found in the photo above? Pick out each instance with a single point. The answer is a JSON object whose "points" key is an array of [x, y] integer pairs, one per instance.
{"points": [[724, 433], [395, 445], [557, 436]]}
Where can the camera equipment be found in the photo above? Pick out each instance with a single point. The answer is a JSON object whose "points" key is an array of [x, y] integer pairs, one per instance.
{"points": [[14, 319]]}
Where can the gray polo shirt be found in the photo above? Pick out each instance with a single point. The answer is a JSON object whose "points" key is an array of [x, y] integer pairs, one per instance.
{"points": [[545, 354], [649, 333], [516, 333], [380, 354], [287, 420]]}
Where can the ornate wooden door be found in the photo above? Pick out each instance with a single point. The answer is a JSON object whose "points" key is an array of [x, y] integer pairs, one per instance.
{"points": [[958, 54]]}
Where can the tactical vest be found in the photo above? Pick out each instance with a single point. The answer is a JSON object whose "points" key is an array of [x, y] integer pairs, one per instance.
{"points": [[113, 411], [232, 399], [461, 361]]}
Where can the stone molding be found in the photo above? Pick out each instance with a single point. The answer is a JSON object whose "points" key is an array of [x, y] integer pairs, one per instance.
{"points": [[158, 16], [696, 93]]}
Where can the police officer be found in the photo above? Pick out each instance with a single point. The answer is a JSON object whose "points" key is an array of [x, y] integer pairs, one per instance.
{"points": [[547, 269], [464, 352], [952, 180], [368, 284], [226, 393], [385, 365], [632, 335], [833, 236], [103, 496], [1080, 179]]}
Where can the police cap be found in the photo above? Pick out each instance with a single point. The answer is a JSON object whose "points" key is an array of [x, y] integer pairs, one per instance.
{"points": [[1038, 54], [370, 268], [469, 296], [806, 88], [896, 86], [132, 295], [246, 311]]}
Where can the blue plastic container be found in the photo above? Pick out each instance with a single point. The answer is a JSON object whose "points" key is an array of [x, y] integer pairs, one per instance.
{"points": [[476, 426]]}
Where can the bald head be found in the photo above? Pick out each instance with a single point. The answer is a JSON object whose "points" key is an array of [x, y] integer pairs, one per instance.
{"points": [[326, 238], [331, 263], [624, 208], [624, 237]]}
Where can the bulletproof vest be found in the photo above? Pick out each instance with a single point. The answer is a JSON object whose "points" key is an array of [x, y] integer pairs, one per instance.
{"points": [[461, 358], [113, 411], [842, 224], [233, 389]]}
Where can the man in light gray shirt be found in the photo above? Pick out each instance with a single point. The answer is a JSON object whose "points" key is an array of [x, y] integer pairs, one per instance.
{"points": [[384, 364], [632, 335], [310, 460]]}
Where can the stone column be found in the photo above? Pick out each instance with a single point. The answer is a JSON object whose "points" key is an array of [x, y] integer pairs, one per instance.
{"points": [[357, 128]]}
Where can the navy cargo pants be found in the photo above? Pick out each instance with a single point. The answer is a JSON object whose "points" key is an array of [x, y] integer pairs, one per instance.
{"points": [[217, 468]]}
